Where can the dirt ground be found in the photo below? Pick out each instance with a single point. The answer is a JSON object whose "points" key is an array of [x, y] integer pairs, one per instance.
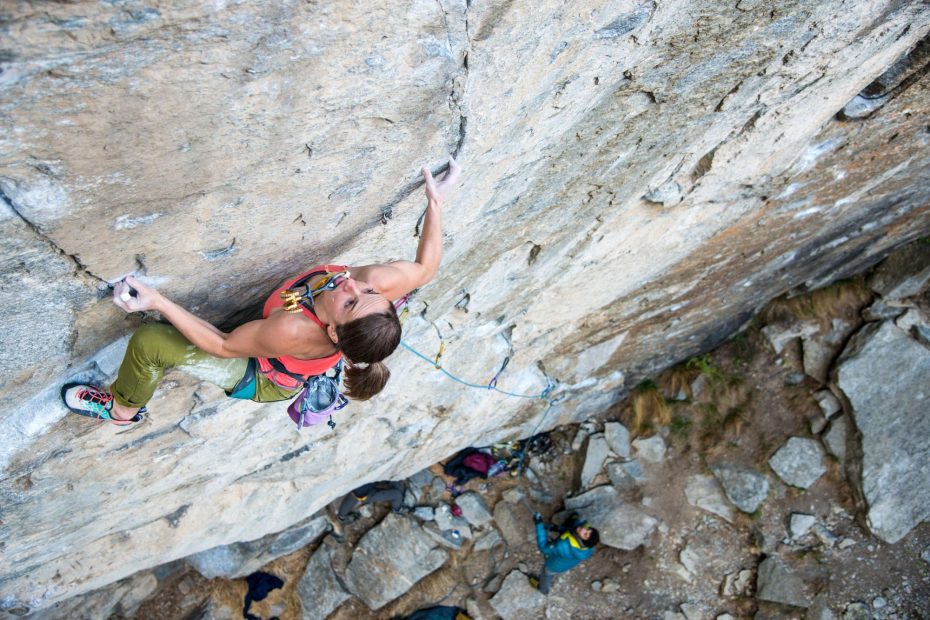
{"points": [[752, 403]]}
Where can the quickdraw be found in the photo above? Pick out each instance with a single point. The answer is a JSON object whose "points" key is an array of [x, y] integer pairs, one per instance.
{"points": [[294, 299]]}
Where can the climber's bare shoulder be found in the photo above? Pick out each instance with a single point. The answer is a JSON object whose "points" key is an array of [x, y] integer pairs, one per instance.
{"points": [[394, 279]]}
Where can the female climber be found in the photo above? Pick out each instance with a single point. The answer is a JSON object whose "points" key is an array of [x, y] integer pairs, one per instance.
{"points": [[327, 314]]}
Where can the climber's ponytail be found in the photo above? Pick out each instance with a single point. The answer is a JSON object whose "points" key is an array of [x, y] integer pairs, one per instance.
{"points": [[364, 382], [365, 342]]}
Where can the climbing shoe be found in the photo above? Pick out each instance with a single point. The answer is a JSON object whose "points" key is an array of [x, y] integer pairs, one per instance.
{"points": [[93, 402]]}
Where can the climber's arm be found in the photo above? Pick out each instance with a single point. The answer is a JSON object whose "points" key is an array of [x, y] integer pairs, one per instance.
{"points": [[396, 279], [277, 335]]}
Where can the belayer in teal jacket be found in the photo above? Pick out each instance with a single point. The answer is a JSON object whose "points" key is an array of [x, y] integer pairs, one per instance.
{"points": [[564, 553]]}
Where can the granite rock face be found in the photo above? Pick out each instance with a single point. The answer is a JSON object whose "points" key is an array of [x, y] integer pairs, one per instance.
{"points": [[639, 177], [883, 374]]}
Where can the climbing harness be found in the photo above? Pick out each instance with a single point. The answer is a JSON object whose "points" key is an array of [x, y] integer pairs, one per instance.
{"points": [[295, 298]]}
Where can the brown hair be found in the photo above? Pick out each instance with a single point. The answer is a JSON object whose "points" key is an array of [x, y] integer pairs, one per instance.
{"points": [[368, 340]]}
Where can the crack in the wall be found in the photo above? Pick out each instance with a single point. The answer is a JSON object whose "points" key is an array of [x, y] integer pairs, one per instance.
{"points": [[78, 265]]}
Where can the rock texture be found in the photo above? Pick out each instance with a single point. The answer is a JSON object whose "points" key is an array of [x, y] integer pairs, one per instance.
{"points": [[390, 559], [640, 176], [883, 374]]}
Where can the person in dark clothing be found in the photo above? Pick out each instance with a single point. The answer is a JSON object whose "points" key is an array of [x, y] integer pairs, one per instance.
{"points": [[576, 543], [373, 492]]}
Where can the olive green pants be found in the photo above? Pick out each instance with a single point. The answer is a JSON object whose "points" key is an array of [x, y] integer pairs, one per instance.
{"points": [[155, 347]]}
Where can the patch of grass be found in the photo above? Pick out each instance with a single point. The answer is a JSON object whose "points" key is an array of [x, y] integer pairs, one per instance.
{"points": [[706, 367], [743, 348], [677, 380], [842, 299], [650, 408], [681, 426]]}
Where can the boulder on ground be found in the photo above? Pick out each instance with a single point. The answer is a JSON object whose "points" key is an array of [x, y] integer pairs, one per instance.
{"points": [[515, 522], [800, 524], [777, 583], [244, 558], [704, 492], [474, 508], [618, 439], [597, 453], [390, 559], [319, 590], [883, 374], [819, 350], [517, 599], [799, 462], [779, 334], [621, 524], [625, 475], [651, 449], [745, 487]]}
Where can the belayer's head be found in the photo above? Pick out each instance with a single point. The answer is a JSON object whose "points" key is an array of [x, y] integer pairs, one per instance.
{"points": [[365, 328], [587, 535]]}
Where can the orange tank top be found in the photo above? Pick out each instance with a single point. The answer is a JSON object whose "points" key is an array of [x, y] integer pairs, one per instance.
{"points": [[295, 365]]}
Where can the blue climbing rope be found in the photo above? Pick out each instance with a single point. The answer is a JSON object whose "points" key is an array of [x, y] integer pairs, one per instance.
{"points": [[542, 395], [492, 385]]}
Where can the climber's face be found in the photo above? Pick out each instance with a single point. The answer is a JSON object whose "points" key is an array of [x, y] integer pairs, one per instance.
{"points": [[351, 299]]}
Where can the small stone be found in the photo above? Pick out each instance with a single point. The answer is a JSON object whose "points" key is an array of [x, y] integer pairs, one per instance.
{"points": [[846, 543], [692, 611], [819, 609], [737, 583], [857, 610], [828, 403], [488, 541], [878, 602], [925, 555], [689, 559], [800, 524], [794, 378], [597, 586], [909, 320], [424, 513], [724, 617], [610, 586], [817, 423], [698, 386], [880, 311], [778, 583], [826, 537], [835, 438]]}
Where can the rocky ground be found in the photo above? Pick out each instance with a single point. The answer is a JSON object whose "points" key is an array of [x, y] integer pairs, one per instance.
{"points": [[745, 483]]}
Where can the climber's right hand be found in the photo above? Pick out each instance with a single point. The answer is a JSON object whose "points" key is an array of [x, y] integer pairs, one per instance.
{"points": [[133, 296]]}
